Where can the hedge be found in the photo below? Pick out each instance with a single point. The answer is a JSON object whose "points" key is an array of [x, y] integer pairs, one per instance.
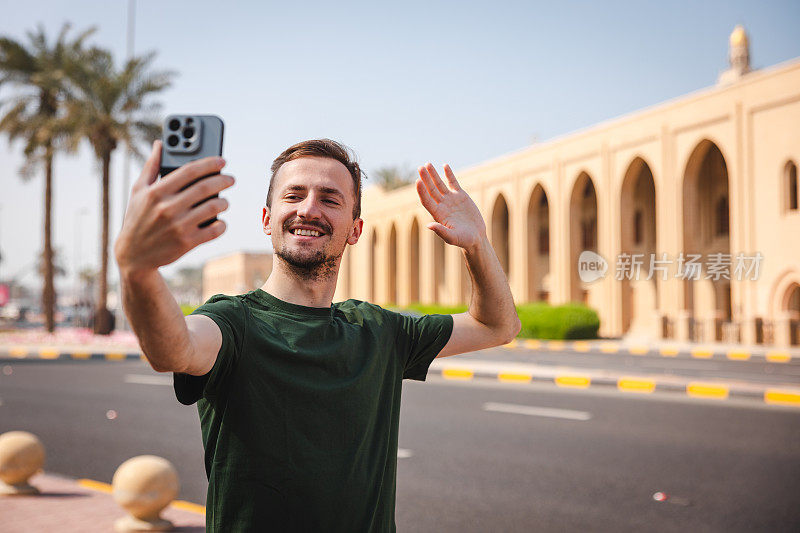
{"points": [[539, 320]]}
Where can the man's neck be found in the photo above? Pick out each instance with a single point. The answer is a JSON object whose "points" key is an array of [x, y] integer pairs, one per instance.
{"points": [[289, 287]]}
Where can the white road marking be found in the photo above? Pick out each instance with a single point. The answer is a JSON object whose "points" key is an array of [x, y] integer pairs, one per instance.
{"points": [[144, 379], [537, 411], [403, 453]]}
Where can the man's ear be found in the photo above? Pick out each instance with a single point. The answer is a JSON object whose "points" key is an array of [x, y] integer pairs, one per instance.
{"points": [[265, 221], [355, 232]]}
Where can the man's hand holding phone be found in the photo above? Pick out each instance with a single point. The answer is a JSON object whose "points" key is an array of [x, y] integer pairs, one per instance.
{"points": [[162, 221]]}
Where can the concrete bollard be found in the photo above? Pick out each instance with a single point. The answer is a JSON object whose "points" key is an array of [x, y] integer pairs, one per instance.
{"points": [[144, 486], [21, 456]]}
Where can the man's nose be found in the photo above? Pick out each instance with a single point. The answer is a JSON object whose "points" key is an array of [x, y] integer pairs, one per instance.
{"points": [[308, 208]]}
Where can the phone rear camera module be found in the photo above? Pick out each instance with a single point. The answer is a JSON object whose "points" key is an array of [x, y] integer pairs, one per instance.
{"points": [[173, 140], [174, 124], [188, 132]]}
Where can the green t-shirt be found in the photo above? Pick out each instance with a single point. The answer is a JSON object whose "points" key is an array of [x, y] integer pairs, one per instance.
{"points": [[300, 412]]}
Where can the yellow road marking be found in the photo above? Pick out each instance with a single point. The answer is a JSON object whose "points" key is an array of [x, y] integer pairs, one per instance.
{"points": [[533, 344], [636, 385], [514, 377], [738, 355], [707, 390], [782, 397], [115, 356], [18, 352], [95, 485], [457, 373], [188, 506], [609, 347], [512, 344], [80, 355], [668, 351], [581, 346], [702, 353], [777, 356], [573, 381], [555, 345], [638, 350]]}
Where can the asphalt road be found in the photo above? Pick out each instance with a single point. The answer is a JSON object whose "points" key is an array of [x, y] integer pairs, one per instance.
{"points": [[477, 456]]}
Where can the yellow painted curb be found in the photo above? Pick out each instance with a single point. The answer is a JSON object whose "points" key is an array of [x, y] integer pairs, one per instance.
{"points": [[636, 385], [533, 344], [188, 506], [512, 377], [80, 355], [581, 346], [48, 353], [668, 351], [775, 356], [702, 353], [18, 352], [512, 344], [581, 382], [777, 396], [555, 345], [609, 347], [707, 390], [143, 357], [738, 355], [457, 373], [95, 485], [639, 350], [115, 356]]}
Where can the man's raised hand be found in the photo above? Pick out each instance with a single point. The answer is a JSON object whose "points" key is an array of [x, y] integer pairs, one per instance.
{"points": [[457, 219], [161, 223]]}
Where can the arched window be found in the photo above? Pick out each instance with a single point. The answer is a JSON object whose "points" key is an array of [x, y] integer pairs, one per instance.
{"points": [[790, 180], [722, 216]]}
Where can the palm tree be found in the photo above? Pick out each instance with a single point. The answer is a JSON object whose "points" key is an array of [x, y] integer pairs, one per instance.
{"points": [[109, 107], [33, 115]]}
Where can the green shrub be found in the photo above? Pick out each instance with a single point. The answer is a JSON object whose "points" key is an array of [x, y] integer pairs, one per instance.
{"points": [[567, 321], [539, 320]]}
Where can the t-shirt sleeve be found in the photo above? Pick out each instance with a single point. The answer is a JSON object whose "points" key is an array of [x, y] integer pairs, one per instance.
{"points": [[419, 341], [229, 314]]}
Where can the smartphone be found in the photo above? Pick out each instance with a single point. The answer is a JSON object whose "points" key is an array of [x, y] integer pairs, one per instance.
{"points": [[185, 138]]}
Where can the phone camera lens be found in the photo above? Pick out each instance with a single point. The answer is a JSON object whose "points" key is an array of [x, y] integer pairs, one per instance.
{"points": [[174, 124], [186, 144], [173, 140], [188, 132], [189, 120]]}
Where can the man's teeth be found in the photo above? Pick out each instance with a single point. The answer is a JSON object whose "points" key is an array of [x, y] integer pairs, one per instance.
{"points": [[307, 232]]}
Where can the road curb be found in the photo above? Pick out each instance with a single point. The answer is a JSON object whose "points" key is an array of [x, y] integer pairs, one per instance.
{"points": [[664, 350], [12, 353], [626, 384]]}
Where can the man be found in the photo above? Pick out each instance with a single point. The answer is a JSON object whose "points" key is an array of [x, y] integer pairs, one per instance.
{"points": [[298, 398]]}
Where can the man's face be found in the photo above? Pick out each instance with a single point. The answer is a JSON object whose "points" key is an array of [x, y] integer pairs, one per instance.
{"points": [[311, 217]]}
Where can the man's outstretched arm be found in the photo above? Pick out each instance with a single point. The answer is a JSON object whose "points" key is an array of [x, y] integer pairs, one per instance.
{"points": [[492, 318], [161, 225]]}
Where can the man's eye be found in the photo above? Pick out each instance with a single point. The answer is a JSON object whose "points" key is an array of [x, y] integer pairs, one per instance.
{"points": [[332, 202]]}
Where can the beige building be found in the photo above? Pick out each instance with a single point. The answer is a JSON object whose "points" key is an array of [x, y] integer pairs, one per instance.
{"points": [[708, 179], [235, 273]]}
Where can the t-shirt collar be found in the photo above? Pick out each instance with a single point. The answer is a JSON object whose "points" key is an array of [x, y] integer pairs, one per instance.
{"points": [[294, 309]]}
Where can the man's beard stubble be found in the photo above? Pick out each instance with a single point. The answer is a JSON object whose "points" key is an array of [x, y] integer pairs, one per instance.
{"points": [[317, 266]]}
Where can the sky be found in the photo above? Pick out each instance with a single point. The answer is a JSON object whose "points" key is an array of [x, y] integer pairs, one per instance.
{"points": [[402, 84]]}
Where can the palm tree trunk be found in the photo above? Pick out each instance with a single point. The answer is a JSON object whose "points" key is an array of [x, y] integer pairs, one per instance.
{"points": [[48, 290], [103, 319]]}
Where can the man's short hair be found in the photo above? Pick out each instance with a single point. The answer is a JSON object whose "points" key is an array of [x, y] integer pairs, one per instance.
{"points": [[321, 148]]}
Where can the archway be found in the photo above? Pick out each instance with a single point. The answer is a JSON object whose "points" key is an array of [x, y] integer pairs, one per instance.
{"points": [[372, 281], [500, 232], [792, 307], [538, 245], [638, 240], [706, 233], [583, 233], [391, 293], [413, 263], [439, 283]]}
